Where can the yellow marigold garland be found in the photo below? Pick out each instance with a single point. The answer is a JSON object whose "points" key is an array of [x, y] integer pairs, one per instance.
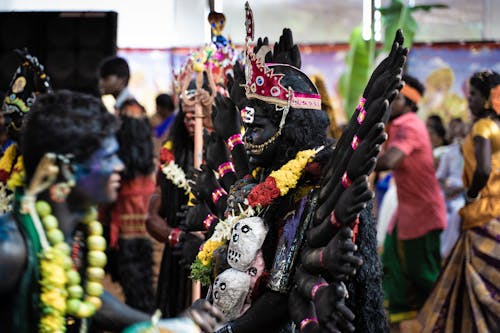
{"points": [[206, 254], [8, 158], [289, 174], [16, 178]]}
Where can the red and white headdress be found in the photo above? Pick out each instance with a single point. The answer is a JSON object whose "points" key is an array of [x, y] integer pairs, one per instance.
{"points": [[263, 83]]}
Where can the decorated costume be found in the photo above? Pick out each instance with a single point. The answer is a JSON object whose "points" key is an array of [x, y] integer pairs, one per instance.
{"points": [[176, 160], [285, 247], [130, 247], [51, 246], [28, 81], [465, 298], [178, 157]]}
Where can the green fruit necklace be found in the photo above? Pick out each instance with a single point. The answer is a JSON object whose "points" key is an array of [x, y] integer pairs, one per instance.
{"points": [[60, 283]]}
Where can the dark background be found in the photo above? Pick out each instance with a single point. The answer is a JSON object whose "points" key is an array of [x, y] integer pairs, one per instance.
{"points": [[69, 44]]}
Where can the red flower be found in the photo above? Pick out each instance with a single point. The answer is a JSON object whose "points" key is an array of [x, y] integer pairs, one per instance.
{"points": [[166, 156], [264, 193], [4, 175]]}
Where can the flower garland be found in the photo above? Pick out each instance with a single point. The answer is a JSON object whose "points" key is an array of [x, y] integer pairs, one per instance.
{"points": [[16, 178], [11, 176], [277, 184], [280, 182], [172, 171], [7, 161], [6, 198], [61, 292], [200, 269]]}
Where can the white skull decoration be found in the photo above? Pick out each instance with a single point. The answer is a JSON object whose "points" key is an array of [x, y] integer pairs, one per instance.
{"points": [[230, 291], [247, 238]]}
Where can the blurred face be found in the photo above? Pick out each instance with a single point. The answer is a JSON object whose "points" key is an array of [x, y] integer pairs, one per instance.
{"points": [[189, 118], [398, 106], [111, 84], [436, 140], [476, 101], [456, 129], [260, 137], [98, 179]]}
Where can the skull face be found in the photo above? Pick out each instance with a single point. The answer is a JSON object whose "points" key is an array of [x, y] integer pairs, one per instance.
{"points": [[229, 292], [247, 238], [256, 268]]}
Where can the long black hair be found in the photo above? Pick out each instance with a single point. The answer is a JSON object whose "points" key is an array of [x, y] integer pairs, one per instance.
{"points": [[136, 144]]}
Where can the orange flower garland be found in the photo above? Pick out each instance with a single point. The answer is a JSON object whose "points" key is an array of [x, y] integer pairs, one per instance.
{"points": [[280, 182]]}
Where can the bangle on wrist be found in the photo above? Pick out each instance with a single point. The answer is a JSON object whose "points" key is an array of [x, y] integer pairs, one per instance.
{"points": [[321, 253], [317, 287], [307, 321], [174, 236], [217, 194], [207, 222], [333, 220], [346, 181], [225, 168], [233, 141], [362, 112]]}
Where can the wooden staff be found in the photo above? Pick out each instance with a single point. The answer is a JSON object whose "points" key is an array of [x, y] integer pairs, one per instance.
{"points": [[198, 128]]}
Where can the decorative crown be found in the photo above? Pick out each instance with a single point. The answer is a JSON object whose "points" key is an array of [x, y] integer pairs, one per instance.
{"points": [[28, 81], [262, 83]]}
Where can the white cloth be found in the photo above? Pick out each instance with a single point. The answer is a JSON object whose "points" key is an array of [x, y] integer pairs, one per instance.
{"points": [[449, 174], [387, 209]]}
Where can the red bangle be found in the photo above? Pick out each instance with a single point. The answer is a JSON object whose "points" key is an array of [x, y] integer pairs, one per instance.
{"points": [[234, 140], [346, 182], [334, 221], [217, 194], [361, 103], [355, 142], [316, 287], [173, 237], [321, 257], [207, 222], [361, 109], [225, 168], [355, 229], [307, 321]]}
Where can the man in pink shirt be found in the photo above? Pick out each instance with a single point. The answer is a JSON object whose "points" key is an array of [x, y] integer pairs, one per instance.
{"points": [[411, 257]]}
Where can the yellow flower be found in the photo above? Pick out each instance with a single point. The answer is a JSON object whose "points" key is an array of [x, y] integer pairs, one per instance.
{"points": [[169, 145], [289, 174], [16, 179], [54, 299], [51, 323], [206, 254], [8, 158]]}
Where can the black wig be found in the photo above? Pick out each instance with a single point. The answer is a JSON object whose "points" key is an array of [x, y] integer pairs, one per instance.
{"points": [[64, 123]]}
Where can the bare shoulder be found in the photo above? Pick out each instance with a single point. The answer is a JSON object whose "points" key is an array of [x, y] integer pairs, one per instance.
{"points": [[12, 253]]}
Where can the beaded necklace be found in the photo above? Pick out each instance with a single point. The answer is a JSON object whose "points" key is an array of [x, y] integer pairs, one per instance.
{"points": [[60, 283]]}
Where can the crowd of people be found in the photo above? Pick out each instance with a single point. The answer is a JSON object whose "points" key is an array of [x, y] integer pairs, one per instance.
{"points": [[237, 207]]}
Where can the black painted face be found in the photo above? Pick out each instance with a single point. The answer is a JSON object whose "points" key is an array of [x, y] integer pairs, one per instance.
{"points": [[261, 135]]}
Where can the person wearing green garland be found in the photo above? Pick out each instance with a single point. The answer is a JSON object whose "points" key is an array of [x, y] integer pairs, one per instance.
{"points": [[51, 246]]}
